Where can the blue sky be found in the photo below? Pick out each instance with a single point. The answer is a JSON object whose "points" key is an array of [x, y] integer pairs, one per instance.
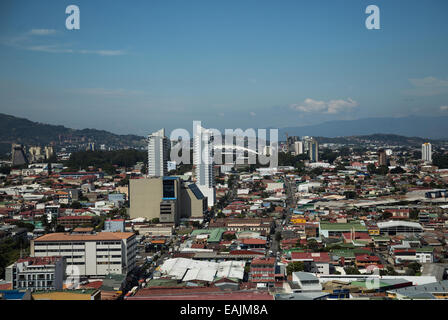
{"points": [[137, 66]]}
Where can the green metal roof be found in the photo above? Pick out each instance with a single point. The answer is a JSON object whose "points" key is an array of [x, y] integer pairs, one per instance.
{"points": [[424, 249], [342, 226], [344, 253], [215, 234]]}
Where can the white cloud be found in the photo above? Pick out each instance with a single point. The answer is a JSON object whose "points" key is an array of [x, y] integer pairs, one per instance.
{"points": [[444, 108], [33, 40], [330, 107], [428, 86], [253, 114], [49, 49], [103, 52], [429, 82], [42, 32], [107, 92]]}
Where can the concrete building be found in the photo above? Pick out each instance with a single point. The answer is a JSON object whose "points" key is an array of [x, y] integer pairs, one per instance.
{"points": [[393, 228], [306, 282], [263, 270], [382, 157], [18, 155], [313, 150], [158, 148], [298, 147], [37, 273], [426, 152], [90, 254], [169, 199], [114, 225], [203, 163]]}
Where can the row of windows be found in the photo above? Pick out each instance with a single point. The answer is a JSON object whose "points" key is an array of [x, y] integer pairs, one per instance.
{"points": [[60, 243]]}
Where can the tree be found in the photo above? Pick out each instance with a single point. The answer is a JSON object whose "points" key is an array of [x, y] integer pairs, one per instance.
{"points": [[350, 194], [295, 267], [351, 270], [386, 215], [413, 214], [278, 236], [229, 236], [414, 267], [382, 170], [59, 228], [76, 205], [397, 170], [371, 168], [312, 244], [155, 220]]}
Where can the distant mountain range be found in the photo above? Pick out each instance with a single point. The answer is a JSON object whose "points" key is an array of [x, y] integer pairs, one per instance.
{"points": [[405, 131], [413, 126], [29, 133]]}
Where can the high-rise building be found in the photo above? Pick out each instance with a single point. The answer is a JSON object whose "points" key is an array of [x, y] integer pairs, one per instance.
{"points": [[426, 152], [298, 147], [382, 157], [158, 148], [91, 146], [18, 155], [48, 152], [35, 153], [203, 163], [313, 150]]}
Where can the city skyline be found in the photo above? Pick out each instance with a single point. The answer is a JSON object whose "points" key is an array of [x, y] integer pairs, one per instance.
{"points": [[253, 64]]}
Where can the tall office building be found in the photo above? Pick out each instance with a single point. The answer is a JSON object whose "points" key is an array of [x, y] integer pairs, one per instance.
{"points": [[49, 152], [298, 147], [382, 157], [91, 146], [203, 163], [426, 152], [158, 148], [313, 150], [18, 155]]}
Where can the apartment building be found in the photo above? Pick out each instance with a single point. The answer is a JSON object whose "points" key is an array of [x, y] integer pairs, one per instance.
{"points": [[93, 254], [37, 273]]}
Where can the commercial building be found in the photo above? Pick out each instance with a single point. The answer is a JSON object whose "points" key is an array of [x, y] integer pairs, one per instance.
{"points": [[169, 199], [338, 229], [158, 148], [426, 152], [431, 291], [114, 225], [306, 282], [298, 147], [18, 156], [37, 273], [203, 163], [75, 221], [393, 228], [313, 150], [92, 254], [263, 270], [382, 157]]}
